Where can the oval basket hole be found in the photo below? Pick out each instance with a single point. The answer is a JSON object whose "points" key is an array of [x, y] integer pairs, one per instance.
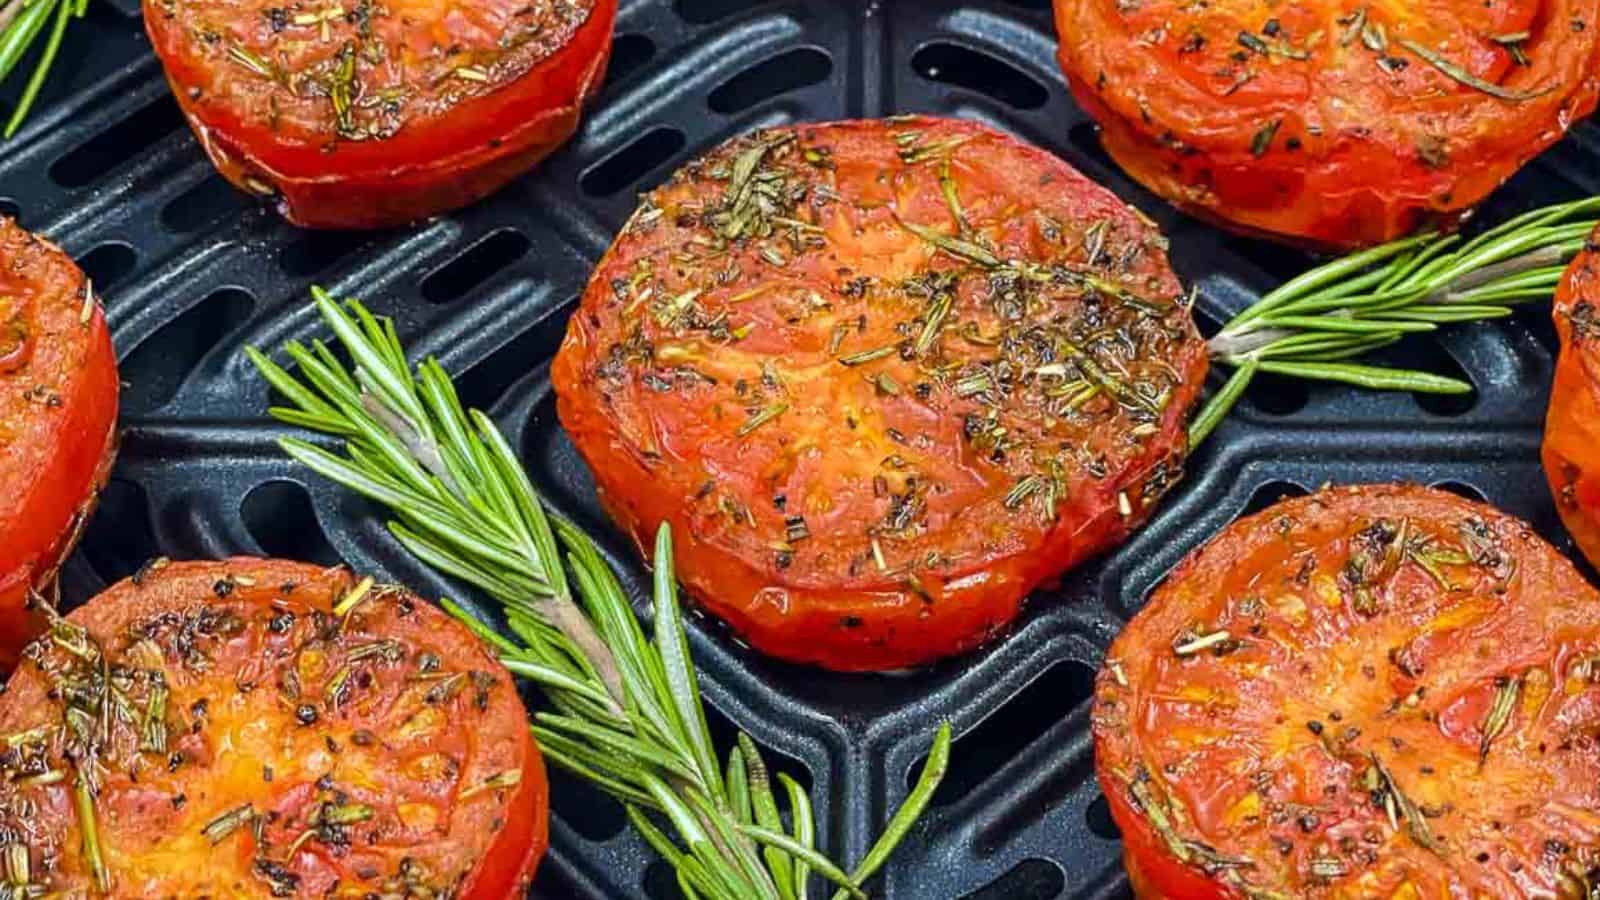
{"points": [[279, 515], [315, 252], [108, 264], [87, 162], [209, 201], [1010, 729], [1031, 879], [1086, 137], [1098, 817], [1425, 353], [1278, 395], [475, 265], [629, 166], [629, 53], [1271, 494], [9, 209], [120, 538], [798, 68], [704, 12], [974, 70], [661, 882], [1463, 490], [157, 367], [584, 808]]}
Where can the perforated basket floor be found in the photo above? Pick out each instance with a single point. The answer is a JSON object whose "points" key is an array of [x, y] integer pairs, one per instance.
{"points": [[192, 271]]}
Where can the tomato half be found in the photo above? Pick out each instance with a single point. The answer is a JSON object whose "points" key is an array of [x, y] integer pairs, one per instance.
{"points": [[1334, 123], [357, 114], [1380, 691], [247, 732], [1572, 429], [884, 378], [58, 414]]}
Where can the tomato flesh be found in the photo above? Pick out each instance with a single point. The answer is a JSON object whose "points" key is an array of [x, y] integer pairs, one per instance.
{"points": [[1572, 428], [58, 412], [1376, 691], [369, 115], [1334, 124], [248, 740], [883, 379]]}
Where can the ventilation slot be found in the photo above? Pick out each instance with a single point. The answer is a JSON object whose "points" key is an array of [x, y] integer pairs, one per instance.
{"points": [[92, 159], [481, 385], [1098, 818], [963, 67], [316, 252], [629, 53], [1012, 728], [584, 808], [280, 517], [1270, 494], [475, 265], [108, 264], [798, 68], [199, 206], [1032, 879], [704, 12], [157, 367], [629, 166], [119, 538]]}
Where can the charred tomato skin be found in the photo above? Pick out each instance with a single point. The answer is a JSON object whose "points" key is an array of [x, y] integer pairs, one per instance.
{"points": [[274, 745], [1572, 427], [872, 443], [1375, 691], [58, 414], [378, 115], [1320, 123]]}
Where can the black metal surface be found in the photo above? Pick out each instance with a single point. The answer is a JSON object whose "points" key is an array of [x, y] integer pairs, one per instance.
{"points": [[192, 271]]}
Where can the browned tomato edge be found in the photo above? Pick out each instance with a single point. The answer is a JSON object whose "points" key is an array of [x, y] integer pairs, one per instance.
{"points": [[491, 140]]}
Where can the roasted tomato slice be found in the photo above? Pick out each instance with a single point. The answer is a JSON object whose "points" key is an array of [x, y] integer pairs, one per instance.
{"points": [[883, 379], [1369, 692], [256, 728], [58, 413], [358, 114], [1572, 430], [1334, 123]]}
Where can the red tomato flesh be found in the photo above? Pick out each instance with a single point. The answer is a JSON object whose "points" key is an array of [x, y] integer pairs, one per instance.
{"points": [[356, 114], [883, 379], [1572, 429], [1376, 691], [1330, 123], [247, 740], [58, 414]]}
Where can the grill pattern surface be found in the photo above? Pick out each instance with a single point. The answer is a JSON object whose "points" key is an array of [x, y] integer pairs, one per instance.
{"points": [[191, 272]]}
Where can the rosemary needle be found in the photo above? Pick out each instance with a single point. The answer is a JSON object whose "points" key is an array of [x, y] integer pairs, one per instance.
{"points": [[23, 24], [1312, 325], [626, 711]]}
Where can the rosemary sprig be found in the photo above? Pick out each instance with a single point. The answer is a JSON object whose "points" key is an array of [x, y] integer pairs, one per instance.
{"points": [[625, 710], [23, 23], [1311, 326]]}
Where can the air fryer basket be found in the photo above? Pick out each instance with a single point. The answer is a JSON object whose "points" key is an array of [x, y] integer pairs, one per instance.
{"points": [[192, 271]]}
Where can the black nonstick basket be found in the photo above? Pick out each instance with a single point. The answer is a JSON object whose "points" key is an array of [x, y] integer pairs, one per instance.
{"points": [[192, 271]]}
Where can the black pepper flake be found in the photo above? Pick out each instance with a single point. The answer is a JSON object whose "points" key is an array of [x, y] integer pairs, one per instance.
{"points": [[306, 714]]}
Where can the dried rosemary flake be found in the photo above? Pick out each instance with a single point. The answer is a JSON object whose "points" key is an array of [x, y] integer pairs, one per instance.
{"points": [[226, 824], [866, 356], [250, 61], [1202, 643], [508, 778], [762, 417], [1505, 703], [1262, 141], [1461, 75], [349, 601]]}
